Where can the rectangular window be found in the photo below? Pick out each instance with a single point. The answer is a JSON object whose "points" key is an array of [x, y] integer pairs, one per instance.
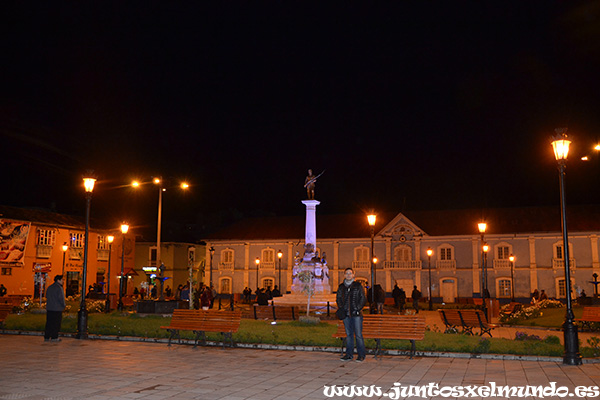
{"points": [[46, 237], [562, 291], [446, 253], [504, 288], [7, 271], [152, 257], [559, 252], [227, 256], [361, 254], [102, 242], [268, 256], [502, 253], [76, 240]]}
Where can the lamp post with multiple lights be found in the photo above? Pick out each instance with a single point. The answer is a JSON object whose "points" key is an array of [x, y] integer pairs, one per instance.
{"points": [[429, 254], [110, 239], [159, 182], [124, 230], [511, 258], [482, 226], [371, 219], [560, 144], [82, 314]]}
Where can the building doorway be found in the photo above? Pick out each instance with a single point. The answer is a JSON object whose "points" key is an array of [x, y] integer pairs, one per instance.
{"points": [[448, 289]]}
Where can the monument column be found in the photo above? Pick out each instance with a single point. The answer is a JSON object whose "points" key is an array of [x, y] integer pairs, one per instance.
{"points": [[310, 232]]}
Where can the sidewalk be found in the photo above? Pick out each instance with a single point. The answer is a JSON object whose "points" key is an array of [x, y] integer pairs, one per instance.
{"points": [[103, 369]]}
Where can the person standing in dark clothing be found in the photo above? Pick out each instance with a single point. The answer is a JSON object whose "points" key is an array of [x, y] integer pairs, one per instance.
{"points": [[416, 296], [55, 305], [396, 296], [351, 298]]}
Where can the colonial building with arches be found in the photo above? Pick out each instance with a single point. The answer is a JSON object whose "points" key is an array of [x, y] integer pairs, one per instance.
{"points": [[260, 251]]}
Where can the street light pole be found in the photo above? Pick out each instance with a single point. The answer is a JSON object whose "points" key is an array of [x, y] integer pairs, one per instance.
{"points": [[371, 219], [429, 254], [512, 277], [124, 230], [257, 261], [82, 314], [279, 255], [211, 251], [65, 247], [571, 355], [110, 239], [482, 227], [486, 248]]}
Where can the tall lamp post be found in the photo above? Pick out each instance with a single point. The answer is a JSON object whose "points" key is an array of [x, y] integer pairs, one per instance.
{"points": [[124, 230], [486, 292], [511, 258], [82, 314], [371, 219], [429, 254], [279, 256], [257, 262], [482, 226], [65, 247], [211, 250], [110, 239], [571, 356]]}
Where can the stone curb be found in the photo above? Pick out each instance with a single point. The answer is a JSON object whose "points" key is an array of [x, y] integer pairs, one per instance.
{"points": [[283, 347]]}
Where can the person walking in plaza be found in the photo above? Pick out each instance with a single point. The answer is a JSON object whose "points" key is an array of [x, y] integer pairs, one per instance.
{"points": [[402, 300], [416, 296], [351, 298], [55, 305]]}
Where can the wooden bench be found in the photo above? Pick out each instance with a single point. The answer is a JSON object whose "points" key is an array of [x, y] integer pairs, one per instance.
{"points": [[5, 309], [467, 320], [202, 321], [512, 308], [590, 315], [284, 313], [378, 326]]}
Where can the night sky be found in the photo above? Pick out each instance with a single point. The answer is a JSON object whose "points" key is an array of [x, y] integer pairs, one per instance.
{"points": [[405, 105]]}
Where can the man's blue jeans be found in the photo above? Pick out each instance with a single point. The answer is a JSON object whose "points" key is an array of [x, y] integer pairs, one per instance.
{"points": [[354, 327]]}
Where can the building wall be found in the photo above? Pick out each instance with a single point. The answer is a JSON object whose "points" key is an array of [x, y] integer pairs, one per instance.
{"points": [[21, 280], [533, 267]]}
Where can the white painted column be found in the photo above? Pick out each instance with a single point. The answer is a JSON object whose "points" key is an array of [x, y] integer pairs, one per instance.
{"points": [[290, 267], [595, 259], [476, 267], [533, 278], [310, 232], [246, 264], [336, 266]]}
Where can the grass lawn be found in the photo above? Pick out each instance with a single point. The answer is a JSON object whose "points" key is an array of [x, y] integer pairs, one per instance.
{"points": [[297, 333]]}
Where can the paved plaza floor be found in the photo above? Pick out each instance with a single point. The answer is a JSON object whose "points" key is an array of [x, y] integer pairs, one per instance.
{"points": [[107, 369]]}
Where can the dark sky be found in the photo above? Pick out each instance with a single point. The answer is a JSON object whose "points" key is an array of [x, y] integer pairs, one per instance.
{"points": [[405, 105]]}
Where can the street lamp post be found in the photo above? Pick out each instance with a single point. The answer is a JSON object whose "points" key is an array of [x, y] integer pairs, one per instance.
{"points": [[429, 254], [124, 230], [110, 239], [82, 314], [211, 251], [511, 258], [257, 262], [371, 219], [482, 226], [486, 292], [560, 144], [279, 255], [65, 247]]}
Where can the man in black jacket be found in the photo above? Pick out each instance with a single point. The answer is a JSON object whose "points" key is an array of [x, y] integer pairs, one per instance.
{"points": [[351, 298], [55, 305]]}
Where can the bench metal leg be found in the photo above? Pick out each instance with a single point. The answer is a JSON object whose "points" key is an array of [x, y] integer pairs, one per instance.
{"points": [[413, 349], [377, 347], [174, 332], [196, 338]]}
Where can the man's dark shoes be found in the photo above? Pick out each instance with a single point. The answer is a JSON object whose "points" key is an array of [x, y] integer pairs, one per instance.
{"points": [[56, 340], [360, 359], [346, 357]]}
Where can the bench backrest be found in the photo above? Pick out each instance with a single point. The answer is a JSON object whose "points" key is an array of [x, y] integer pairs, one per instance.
{"points": [[473, 318], [275, 312], [5, 309], [222, 321], [378, 326], [452, 317], [588, 312]]}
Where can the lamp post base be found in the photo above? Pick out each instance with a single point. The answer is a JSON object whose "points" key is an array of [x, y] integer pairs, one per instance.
{"points": [[82, 324], [571, 356]]}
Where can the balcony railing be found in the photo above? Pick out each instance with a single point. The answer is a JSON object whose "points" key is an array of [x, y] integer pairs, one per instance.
{"points": [[361, 264], [102, 254], [559, 263], [226, 266], [501, 264], [411, 264], [267, 265], [44, 251], [445, 264]]}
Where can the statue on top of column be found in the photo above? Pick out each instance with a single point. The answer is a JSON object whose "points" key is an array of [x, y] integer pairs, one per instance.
{"points": [[309, 184]]}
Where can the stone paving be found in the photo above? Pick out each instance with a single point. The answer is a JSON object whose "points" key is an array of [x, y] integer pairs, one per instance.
{"points": [[106, 369]]}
